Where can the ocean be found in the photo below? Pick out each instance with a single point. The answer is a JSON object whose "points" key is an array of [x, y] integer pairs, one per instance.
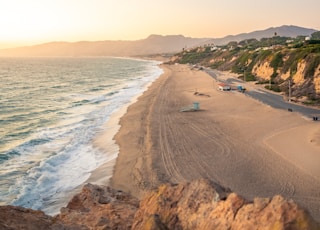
{"points": [[51, 111]]}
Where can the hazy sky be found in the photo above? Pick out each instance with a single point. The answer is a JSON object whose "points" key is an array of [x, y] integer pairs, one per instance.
{"points": [[28, 22]]}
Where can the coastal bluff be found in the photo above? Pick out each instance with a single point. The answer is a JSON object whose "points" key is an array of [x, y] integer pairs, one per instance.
{"points": [[198, 204]]}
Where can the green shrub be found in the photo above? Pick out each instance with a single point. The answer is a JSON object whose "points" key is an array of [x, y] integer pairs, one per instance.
{"points": [[249, 76], [263, 54], [313, 61], [277, 61], [274, 88], [193, 57], [216, 65]]}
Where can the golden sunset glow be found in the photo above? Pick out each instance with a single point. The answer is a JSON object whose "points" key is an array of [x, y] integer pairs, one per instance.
{"points": [[38, 21]]}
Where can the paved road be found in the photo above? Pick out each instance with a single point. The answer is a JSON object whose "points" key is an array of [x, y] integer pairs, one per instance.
{"points": [[274, 100]]}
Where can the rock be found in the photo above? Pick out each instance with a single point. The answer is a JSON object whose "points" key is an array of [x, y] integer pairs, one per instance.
{"points": [[178, 206], [100, 207], [224, 213], [199, 204], [12, 218], [276, 214], [152, 222]]}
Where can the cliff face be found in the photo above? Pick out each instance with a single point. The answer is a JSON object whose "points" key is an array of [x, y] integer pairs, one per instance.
{"points": [[317, 80], [295, 61], [302, 85], [195, 205], [265, 71]]}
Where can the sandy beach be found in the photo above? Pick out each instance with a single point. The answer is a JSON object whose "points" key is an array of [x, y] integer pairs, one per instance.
{"points": [[233, 140]]}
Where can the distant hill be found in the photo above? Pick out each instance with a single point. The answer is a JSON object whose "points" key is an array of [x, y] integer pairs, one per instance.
{"points": [[283, 31], [154, 44]]}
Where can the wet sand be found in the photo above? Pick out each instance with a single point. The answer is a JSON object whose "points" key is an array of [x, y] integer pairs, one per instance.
{"points": [[233, 140]]}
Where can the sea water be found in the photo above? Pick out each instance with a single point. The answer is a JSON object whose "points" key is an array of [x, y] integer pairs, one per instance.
{"points": [[51, 109]]}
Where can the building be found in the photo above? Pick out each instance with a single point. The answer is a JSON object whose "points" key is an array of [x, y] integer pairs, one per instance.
{"points": [[224, 87]]}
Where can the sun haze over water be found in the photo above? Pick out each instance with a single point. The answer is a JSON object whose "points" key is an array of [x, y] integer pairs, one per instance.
{"points": [[39, 21]]}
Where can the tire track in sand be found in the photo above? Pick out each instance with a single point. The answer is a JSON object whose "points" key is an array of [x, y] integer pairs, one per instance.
{"points": [[165, 132]]}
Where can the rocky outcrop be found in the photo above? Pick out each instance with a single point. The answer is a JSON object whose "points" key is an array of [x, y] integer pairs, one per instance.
{"points": [[263, 70], [196, 205], [317, 79], [21, 218], [100, 208], [95, 207]]}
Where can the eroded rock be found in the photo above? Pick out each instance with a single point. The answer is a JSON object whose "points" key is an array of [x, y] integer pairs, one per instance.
{"points": [[199, 204]]}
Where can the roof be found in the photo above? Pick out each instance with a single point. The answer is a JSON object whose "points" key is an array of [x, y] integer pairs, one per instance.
{"points": [[223, 84]]}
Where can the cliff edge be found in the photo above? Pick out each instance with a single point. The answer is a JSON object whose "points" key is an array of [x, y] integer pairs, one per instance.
{"points": [[195, 205]]}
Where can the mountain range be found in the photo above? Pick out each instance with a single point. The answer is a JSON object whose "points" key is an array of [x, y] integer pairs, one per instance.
{"points": [[154, 44]]}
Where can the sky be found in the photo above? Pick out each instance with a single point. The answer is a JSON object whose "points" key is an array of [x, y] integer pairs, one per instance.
{"points": [[30, 22]]}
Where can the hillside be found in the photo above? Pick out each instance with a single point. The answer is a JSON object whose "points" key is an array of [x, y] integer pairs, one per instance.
{"points": [[276, 62], [154, 44], [283, 31]]}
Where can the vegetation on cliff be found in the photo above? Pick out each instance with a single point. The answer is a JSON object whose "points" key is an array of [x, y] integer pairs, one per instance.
{"points": [[276, 62]]}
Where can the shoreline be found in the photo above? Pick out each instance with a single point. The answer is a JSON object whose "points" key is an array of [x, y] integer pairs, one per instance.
{"points": [[228, 141], [134, 135], [111, 128]]}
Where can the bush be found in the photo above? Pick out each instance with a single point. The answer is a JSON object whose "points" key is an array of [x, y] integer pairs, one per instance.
{"points": [[274, 88], [193, 57], [263, 55], [216, 64], [313, 61], [316, 35], [277, 61], [249, 76]]}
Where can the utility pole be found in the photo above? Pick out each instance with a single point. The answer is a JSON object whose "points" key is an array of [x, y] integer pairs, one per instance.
{"points": [[270, 83], [289, 90]]}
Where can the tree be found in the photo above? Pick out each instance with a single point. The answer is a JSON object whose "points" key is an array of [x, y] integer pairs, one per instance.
{"points": [[233, 44], [315, 35]]}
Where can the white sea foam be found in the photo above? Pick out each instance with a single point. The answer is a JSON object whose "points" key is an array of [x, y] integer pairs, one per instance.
{"points": [[59, 155]]}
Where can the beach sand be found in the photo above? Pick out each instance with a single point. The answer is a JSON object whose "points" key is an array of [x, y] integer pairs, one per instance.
{"points": [[233, 140]]}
